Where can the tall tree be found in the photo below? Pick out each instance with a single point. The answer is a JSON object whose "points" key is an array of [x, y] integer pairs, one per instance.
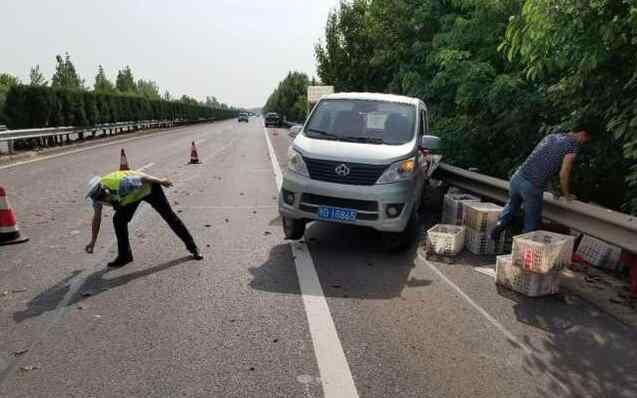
{"points": [[289, 98], [125, 82], [36, 77], [148, 89], [102, 84], [6, 82], [65, 75]]}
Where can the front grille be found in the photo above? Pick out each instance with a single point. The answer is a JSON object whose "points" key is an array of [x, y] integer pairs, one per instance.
{"points": [[329, 201], [359, 173]]}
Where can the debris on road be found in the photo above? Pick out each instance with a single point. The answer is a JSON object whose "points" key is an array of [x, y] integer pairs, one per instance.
{"points": [[87, 293], [28, 368], [266, 233], [207, 225], [20, 352], [18, 290], [227, 220]]}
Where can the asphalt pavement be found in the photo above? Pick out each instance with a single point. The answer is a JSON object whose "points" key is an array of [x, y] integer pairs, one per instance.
{"points": [[243, 322]]}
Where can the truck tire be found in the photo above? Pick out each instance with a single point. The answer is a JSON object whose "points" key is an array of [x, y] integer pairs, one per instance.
{"points": [[293, 229]]}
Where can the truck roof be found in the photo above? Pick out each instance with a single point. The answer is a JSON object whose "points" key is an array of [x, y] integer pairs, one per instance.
{"points": [[374, 97]]}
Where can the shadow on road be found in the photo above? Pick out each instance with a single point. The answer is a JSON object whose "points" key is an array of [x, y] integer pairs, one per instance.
{"points": [[349, 261], [93, 285], [584, 349]]}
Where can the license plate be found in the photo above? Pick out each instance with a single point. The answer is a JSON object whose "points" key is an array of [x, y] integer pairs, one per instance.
{"points": [[336, 214]]}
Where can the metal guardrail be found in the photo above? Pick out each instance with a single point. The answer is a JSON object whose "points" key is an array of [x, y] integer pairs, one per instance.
{"points": [[10, 135], [611, 226]]}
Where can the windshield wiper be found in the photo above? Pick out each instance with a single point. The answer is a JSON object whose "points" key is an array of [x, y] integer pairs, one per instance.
{"points": [[369, 140], [323, 133]]}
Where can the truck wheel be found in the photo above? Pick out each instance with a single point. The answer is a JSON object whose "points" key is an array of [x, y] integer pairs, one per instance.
{"points": [[293, 229]]}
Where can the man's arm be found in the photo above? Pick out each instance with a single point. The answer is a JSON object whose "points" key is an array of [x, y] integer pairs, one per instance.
{"points": [[565, 174], [95, 227], [154, 180]]}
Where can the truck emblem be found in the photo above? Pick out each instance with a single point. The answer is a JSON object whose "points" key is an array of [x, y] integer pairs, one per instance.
{"points": [[342, 170]]}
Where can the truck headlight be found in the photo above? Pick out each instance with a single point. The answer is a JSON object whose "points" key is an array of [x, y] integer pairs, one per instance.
{"points": [[296, 163], [398, 171]]}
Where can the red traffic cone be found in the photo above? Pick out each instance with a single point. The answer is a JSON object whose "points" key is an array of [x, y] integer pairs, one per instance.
{"points": [[194, 157], [123, 162], [9, 231]]}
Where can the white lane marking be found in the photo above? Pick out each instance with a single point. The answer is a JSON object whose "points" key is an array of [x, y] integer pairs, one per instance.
{"points": [[201, 141], [278, 177], [336, 376], [91, 147], [485, 270], [146, 166], [510, 336]]}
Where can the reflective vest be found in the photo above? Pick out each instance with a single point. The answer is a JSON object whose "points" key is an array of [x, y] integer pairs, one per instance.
{"points": [[112, 182]]}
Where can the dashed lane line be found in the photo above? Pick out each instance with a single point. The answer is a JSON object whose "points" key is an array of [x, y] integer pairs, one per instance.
{"points": [[336, 376]]}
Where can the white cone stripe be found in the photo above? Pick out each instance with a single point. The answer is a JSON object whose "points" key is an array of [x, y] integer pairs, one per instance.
{"points": [[8, 230]]}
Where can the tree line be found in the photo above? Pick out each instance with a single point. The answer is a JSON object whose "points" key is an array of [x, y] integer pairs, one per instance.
{"points": [[498, 75], [66, 100], [289, 99]]}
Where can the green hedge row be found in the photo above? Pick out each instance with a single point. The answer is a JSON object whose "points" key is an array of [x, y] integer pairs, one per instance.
{"points": [[35, 107]]}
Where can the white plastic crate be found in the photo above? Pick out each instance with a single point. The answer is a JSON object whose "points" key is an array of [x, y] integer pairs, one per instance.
{"points": [[481, 216], [528, 283], [542, 251], [599, 253], [452, 210], [445, 240], [481, 244]]}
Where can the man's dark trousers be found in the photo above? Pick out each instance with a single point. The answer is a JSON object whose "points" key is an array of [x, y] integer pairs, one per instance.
{"points": [[157, 199]]}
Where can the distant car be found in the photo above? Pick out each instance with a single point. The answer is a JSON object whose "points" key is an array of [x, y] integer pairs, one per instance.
{"points": [[243, 117], [273, 119]]}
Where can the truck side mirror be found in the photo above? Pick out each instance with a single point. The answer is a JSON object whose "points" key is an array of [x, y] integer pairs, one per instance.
{"points": [[429, 142]]}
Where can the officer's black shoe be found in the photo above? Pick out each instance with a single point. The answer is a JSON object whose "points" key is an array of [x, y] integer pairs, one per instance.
{"points": [[120, 261], [195, 254], [496, 231]]}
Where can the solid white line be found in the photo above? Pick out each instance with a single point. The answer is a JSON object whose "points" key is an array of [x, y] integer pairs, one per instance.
{"points": [[229, 207], [278, 177], [336, 376], [486, 271], [510, 336], [91, 147]]}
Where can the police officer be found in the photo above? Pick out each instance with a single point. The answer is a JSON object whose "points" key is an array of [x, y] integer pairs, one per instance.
{"points": [[124, 191]]}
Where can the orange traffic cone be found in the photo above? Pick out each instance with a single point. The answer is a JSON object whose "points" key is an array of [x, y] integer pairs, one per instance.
{"points": [[123, 162], [194, 157], [9, 231]]}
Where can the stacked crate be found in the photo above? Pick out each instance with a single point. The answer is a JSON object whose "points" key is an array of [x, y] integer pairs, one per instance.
{"points": [[534, 266], [452, 210], [479, 219]]}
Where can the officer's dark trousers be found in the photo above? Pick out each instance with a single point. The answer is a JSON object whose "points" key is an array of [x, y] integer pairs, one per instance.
{"points": [[157, 199]]}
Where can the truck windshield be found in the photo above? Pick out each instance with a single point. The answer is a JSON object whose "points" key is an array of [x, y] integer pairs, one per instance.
{"points": [[363, 121]]}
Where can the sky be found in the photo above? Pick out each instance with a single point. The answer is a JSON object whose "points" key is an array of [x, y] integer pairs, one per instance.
{"points": [[234, 50]]}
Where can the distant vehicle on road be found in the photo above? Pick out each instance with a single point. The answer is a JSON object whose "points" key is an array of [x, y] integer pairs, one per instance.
{"points": [[244, 117], [273, 119], [361, 159]]}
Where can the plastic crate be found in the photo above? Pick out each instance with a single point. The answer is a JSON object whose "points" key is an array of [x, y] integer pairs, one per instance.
{"points": [[445, 240], [599, 253], [452, 210], [481, 216], [542, 251], [528, 283], [481, 244]]}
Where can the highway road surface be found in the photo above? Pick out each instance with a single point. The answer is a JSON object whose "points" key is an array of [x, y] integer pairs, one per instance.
{"points": [[330, 316]]}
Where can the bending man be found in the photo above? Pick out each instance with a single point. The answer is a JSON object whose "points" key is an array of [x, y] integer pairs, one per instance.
{"points": [[124, 191]]}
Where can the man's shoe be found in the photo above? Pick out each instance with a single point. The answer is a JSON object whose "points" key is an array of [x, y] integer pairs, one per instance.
{"points": [[496, 231], [120, 261], [195, 254]]}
